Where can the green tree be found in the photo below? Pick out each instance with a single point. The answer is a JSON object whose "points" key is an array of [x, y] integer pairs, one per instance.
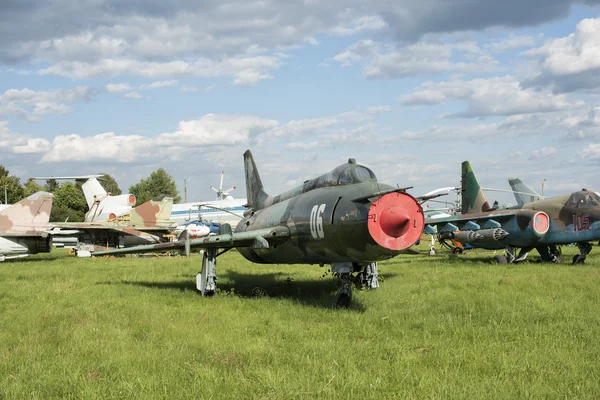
{"points": [[51, 185], [110, 185], [69, 203], [158, 183], [32, 187], [11, 185]]}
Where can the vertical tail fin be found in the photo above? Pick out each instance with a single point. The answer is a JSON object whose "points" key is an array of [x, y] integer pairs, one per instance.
{"points": [[523, 193], [30, 214], [255, 191], [155, 212], [473, 200], [92, 189]]}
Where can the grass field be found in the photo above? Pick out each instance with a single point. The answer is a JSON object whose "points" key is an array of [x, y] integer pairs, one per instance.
{"points": [[436, 328]]}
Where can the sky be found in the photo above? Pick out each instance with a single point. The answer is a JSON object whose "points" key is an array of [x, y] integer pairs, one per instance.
{"points": [[410, 89]]}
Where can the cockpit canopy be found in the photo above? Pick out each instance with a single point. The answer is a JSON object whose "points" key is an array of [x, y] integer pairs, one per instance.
{"points": [[345, 174], [584, 199]]}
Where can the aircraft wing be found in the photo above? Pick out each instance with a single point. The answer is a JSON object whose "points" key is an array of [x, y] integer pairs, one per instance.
{"points": [[474, 221], [259, 238]]}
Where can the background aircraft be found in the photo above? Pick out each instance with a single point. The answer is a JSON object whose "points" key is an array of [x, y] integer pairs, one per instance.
{"points": [[224, 210], [344, 218], [24, 225], [102, 205], [145, 224], [541, 224]]}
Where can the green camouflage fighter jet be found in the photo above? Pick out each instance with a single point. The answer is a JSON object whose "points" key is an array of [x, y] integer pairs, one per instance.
{"points": [[542, 224], [344, 218]]}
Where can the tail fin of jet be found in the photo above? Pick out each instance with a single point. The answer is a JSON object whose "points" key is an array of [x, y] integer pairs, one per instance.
{"points": [[155, 212], [523, 193], [473, 200], [92, 189], [29, 214], [255, 191]]}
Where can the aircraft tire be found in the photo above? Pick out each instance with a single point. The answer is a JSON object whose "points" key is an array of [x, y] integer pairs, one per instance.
{"points": [[343, 300], [500, 260], [578, 259]]}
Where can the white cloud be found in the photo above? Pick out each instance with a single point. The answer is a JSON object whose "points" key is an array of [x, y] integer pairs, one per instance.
{"points": [[494, 96], [569, 63], [422, 58], [510, 43], [245, 70], [31, 104], [591, 152], [544, 152], [33, 146]]}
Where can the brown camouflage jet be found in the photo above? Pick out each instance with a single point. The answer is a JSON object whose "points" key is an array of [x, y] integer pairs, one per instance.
{"points": [[542, 224], [24, 226], [146, 224]]}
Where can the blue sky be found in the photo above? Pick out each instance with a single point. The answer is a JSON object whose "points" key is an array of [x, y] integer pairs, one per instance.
{"points": [[412, 90]]}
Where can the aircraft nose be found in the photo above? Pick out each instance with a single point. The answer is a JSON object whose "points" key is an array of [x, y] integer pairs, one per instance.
{"points": [[395, 221]]}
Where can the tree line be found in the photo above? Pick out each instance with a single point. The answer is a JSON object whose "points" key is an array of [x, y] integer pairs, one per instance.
{"points": [[69, 202]]}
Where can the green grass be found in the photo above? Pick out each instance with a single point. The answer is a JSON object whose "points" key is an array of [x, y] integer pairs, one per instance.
{"points": [[438, 327]]}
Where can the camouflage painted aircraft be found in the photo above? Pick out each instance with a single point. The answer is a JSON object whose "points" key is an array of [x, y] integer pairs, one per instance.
{"points": [[24, 225], [145, 224], [542, 224], [102, 205], [344, 218]]}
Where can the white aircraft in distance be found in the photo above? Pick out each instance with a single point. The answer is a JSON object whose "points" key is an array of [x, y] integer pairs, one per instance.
{"points": [[102, 205], [224, 210]]}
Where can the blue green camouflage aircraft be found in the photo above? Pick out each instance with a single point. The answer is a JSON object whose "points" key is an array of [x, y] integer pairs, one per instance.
{"points": [[542, 224]]}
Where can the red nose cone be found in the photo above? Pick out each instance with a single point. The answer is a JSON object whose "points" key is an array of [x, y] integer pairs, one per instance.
{"points": [[396, 221]]}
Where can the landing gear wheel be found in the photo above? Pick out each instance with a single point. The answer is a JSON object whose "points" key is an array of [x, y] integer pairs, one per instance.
{"points": [[344, 293], [578, 259], [500, 260], [432, 251], [206, 280], [457, 250], [343, 300]]}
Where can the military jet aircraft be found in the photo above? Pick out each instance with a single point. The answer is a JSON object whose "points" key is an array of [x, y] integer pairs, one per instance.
{"points": [[145, 224], [345, 218], [23, 227], [542, 224], [102, 205]]}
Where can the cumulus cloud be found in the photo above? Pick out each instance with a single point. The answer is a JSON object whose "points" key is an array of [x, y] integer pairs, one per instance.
{"points": [[32, 105], [385, 61], [494, 96], [544, 152], [570, 63], [245, 70]]}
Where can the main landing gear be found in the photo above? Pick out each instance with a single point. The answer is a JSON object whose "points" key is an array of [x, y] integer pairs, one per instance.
{"points": [[206, 280], [549, 254], [367, 276], [584, 250]]}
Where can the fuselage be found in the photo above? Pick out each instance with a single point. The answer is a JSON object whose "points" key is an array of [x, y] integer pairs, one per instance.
{"points": [[327, 225]]}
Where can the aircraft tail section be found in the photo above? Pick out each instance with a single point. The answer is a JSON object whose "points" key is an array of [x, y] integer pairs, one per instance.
{"points": [[28, 215], [255, 191], [92, 189], [153, 213], [523, 193], [473, 200]]}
